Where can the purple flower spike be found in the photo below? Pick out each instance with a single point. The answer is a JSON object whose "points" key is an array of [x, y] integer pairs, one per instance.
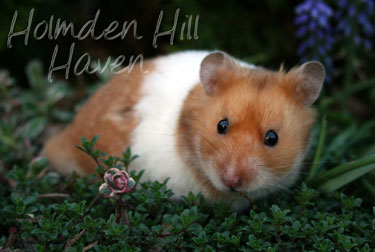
{"points": [[313, 20], [355, 19]]}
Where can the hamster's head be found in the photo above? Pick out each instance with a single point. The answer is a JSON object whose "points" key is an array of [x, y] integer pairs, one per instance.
{"points": [[251, 130]]}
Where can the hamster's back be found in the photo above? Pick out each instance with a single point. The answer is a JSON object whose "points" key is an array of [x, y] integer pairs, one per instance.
{"points": [[138, 108]]}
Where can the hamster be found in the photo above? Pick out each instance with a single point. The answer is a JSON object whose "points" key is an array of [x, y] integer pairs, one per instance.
{"points": [[205, 120]]}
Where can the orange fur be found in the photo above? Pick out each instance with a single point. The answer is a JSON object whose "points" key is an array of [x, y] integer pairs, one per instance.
{"points": [[109, 114]]}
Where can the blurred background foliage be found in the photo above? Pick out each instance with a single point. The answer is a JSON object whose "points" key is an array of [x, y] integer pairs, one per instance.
{"points": [[269, 33]]}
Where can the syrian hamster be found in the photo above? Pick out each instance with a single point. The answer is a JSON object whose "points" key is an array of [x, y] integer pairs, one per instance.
{"points": [[205, 120]]}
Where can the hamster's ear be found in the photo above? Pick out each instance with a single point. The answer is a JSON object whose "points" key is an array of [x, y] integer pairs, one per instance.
{"points": [[216, 69], [313, 74]]}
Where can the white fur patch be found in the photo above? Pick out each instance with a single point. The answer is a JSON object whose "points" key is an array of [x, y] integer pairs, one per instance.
{"points": [[163, 93]]}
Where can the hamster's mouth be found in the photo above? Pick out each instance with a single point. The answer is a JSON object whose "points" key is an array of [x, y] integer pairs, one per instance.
{"points": [[256, 190], [259, 187]]}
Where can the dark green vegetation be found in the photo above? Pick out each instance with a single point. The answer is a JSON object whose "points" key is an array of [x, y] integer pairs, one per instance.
{"points": [[330, 208], [76, 219]]}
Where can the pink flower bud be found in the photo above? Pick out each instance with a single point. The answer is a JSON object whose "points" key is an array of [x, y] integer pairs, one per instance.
{"points": [[116, 182]]}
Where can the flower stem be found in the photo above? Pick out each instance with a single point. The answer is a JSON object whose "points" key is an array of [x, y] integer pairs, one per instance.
{"points": [[319, 149], [122, 215], [350, 58], [117, 211], [348, 77], [342, 169], [125, 215]]}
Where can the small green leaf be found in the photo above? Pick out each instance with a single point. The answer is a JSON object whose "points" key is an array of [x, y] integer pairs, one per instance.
{"points": [[57, 91], [34, 72], [31, 199], [131, 184], [79, 147], [35, 127], [105, 192], [62, 115], [38, 164], [94, 139]]}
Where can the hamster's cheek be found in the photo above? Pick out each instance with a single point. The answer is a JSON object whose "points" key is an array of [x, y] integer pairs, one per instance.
{"points": [[283, 163], [212, 173], [263, 180], [291, 175]]}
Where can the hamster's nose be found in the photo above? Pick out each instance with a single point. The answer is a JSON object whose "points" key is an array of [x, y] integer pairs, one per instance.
{"points": [[232, 182]]}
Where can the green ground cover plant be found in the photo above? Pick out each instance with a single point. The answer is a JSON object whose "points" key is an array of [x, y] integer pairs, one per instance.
{"points": [[71, 217]]}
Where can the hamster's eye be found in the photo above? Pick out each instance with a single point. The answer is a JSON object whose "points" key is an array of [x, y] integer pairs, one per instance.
{"points": [[223, 126], [270, 139]]}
